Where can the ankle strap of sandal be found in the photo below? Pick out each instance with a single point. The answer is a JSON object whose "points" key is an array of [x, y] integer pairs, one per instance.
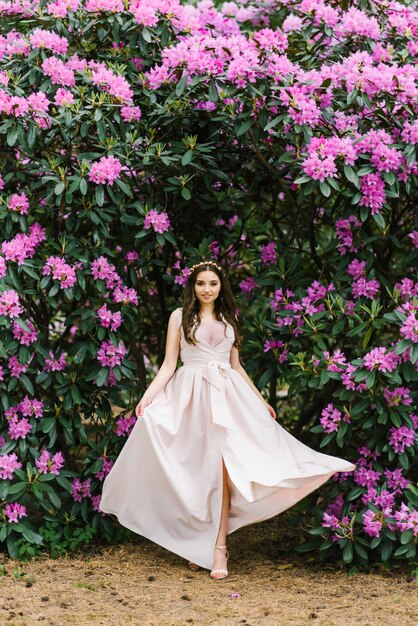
{"points": [[220, 547]]}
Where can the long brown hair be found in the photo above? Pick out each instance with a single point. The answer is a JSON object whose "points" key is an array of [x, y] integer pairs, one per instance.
{"points": [[225, 304]]}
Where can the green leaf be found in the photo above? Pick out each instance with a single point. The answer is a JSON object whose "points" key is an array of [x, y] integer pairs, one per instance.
{"points": [[83, 186], [325, 189], [12, 136], [99, 195], [186, 193], [59, 188], [181, 85], [380, 220], [102, 376], [187, 157], [241, 130], [348, 552], [125, 188], [407, 536], [213, 92]]}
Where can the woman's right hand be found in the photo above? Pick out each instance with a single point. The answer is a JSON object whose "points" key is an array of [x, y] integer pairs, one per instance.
{"points": [[142, 404]]}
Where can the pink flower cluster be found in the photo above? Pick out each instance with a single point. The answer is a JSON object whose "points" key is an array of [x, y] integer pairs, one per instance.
{"points": [[28, 408], [124, 425], [61, 271], [401, 438], [8, 464], [101, 269], [331, 418], [269, 254], [46, 39], [60, 8], [125, 295], [19, 203], [106, 467], [14, 511], [10, 304], [24, 337], [381, 359], [110, 355], [54, 364], [116, 86], [159, 221], [345, 229], [46, 463], [109, 319], [23, 246], [106, 171], [397, 396], [80, 490]]}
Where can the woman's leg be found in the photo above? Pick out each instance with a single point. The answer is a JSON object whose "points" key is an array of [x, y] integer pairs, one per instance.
{"points": [[219, 556]]}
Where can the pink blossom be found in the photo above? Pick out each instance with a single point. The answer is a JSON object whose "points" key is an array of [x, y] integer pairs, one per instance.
{"points": [[8, 464], [80, 490], [54, 364], [101, 269], [110, 355], [129, 113], [46, 463], [106, 171], [19, 428], [25, 338], [159, 221], [401, 438], [125, 295], [409, 328], [373, 190], [23, 246], [372, 526], [10, 304], [109, 319], [269, 254], [31, 407], [61, 271], [45, 39], [381, 359], [335, 361], [19, 203], [397, 396], [356, 268], [106, 467], [14, 511], [63, 97], [16, 367], [364, 287], [248, 285], [345, 229], [331, 418], [124, 425], [3, 267]]}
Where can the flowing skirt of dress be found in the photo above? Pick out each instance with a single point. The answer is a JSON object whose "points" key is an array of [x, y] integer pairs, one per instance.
{"points": [[166, 483]]}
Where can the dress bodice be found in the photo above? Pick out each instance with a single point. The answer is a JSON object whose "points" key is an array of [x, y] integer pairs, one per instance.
{"points": [[214, 342]]}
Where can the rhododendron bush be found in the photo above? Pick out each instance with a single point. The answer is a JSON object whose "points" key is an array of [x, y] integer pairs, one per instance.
{"points": [[278, 137]]}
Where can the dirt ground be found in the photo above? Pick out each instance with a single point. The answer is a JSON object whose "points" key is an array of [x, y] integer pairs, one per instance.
{"points": [[141, 583]]}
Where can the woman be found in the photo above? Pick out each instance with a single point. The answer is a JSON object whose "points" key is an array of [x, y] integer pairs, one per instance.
{"points": [[206, 455]]}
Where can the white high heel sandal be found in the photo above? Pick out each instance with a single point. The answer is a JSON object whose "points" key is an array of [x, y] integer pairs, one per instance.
{"points": [[219, 570]]}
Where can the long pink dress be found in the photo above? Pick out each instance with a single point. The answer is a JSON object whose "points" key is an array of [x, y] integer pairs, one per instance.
{"points": [[166, 483]]}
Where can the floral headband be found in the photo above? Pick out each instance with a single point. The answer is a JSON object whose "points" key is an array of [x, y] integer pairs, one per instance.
{"points": [[206, 263]]}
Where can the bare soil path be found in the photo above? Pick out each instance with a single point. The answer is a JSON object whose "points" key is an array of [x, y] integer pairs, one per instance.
{"points": [[143, 584]]}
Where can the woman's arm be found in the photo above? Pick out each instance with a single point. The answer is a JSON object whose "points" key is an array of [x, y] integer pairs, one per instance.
{"points": [[168, 366], [236, 365]]}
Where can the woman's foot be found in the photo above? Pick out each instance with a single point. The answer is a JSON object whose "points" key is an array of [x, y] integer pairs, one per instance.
{"points": [[194, 566], [220, 558]]}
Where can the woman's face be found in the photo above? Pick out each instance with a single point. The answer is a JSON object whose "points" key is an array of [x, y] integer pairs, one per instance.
{"points": [[207, 286]]}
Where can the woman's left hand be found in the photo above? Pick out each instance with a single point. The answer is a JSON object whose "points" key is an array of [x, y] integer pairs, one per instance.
{"points": [[271, 410]]}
